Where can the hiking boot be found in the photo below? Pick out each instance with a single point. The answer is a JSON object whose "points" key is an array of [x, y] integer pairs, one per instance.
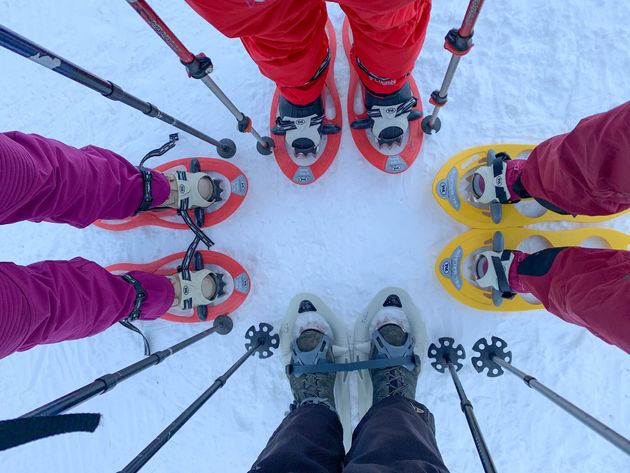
{"points": [[303, 126], [312, 347], [391, 341], [389, 115]]}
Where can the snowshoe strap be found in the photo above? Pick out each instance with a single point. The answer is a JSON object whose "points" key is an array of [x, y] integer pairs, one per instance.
{"points": [[135, 314], [16, 432], [147, 175], [297, 370], [147, 348], [199, 233], [497, 170], [502, 280]]}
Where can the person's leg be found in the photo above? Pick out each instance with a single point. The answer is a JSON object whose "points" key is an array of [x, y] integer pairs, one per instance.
{"points": [[584, 286], [52, 301], [587, 170], [387, 37], [285, 38], [43, 179], [309, 439], [397, 435]]}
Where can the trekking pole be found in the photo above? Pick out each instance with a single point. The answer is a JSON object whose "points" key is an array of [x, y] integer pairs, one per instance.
{"points": [[222, 325], [30, 50], [199, 67], [494, 357], [259, 341], [447, 355], [459, 43]]}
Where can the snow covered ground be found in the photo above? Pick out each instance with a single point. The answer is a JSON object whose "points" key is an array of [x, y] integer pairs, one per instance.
{"points": [[537, 68]]}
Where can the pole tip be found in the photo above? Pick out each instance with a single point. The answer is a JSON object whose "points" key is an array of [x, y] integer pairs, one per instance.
{"points": [[430, 128], [223, 324]]}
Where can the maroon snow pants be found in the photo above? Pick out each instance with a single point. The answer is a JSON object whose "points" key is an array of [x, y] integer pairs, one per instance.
{"points": [[51, 301], [586, 172], [397, 435]]}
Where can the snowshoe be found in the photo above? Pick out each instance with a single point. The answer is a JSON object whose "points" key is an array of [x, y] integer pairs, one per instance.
{"points": [[232, 283], [314, 313], [462, 265], [477, 188], [229, 190], [390, 305], [308, 138], [386, 130]]}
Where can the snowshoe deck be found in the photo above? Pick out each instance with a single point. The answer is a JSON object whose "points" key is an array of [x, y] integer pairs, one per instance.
{"points": [[231, 178], [307, 302], [235, 277], [399, 158], [447, 192], [308, 173], [454, 265], [363, 336]]}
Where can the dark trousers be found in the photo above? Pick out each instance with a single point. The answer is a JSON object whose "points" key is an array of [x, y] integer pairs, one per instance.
{"points": [[396, 435]]}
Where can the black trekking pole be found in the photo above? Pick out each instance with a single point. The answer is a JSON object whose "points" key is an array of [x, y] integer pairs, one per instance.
{"points": [[494, 357], [199, 67], [259, 341], [459, 43], [447, 355], [222, 325], [30, 50]]}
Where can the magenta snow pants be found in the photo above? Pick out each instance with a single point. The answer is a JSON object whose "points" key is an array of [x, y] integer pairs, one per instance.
{"points": [[51, 301], [587, 172]]}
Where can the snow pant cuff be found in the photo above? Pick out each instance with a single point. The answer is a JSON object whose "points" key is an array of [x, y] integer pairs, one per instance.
{"points": [[309, 439], [397, 435]]}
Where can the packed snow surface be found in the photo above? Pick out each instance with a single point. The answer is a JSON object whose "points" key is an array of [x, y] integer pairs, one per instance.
{"points": [[536, 69]]}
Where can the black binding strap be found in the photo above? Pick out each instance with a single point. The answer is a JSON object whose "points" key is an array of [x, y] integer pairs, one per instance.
{"points": [[16, 432], [135, 314]]}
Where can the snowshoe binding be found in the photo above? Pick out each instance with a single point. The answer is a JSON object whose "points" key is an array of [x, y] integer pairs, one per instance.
{"points": [[388, 116]]}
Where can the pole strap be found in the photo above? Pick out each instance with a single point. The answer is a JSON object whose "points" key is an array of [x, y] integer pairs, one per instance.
{"points": [[16, 432]]}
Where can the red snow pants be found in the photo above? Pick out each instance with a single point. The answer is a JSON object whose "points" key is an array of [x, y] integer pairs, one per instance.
{"points": [[586, 171], [288, 42], [52, 301]]}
